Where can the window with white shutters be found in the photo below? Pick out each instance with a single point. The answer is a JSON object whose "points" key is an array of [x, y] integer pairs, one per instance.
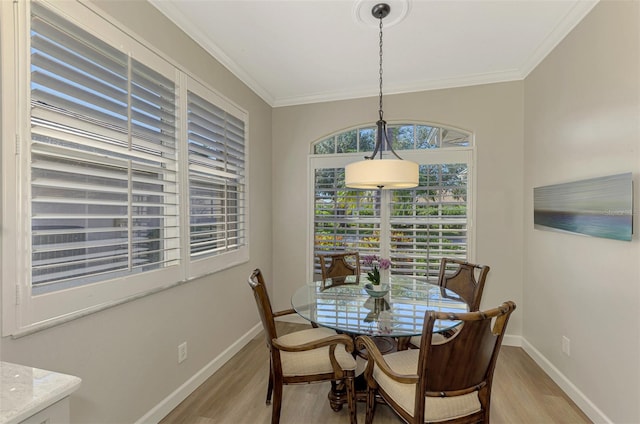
{"points": [[412, 227], [103, 159], [216, 179]]}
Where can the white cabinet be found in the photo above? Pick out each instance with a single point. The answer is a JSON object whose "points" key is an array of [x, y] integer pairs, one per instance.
{"points": [[58, 413], [34, 396]]}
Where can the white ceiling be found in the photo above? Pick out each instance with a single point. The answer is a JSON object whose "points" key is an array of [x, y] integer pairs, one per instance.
{"points": [[303, 51]]}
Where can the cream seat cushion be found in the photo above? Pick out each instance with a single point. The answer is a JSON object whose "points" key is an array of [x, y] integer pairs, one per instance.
{"points": [[436, 338], [314, 361], [435, 409]]}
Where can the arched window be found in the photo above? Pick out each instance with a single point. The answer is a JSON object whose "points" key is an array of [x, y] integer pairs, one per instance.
{"points": [[413, 227]]}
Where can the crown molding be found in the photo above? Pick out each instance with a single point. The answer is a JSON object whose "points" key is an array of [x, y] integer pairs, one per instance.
{"points": [[573, 17], [174, 15], [412, 87]]}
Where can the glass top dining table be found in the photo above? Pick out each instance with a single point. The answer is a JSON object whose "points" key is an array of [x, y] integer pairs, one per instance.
{"points": [[343, 305]]}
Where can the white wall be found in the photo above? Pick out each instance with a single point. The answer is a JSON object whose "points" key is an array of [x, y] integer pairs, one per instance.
{"points": [[582, 114], [127, 355], [494, 113]]}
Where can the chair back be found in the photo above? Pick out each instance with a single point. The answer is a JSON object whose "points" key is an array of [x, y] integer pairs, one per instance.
{"points": [[465, 362], [256, 282], [463, 281], [339, 264]]}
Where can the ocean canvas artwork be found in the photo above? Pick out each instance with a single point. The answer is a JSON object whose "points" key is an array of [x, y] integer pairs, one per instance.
{"points": [[597, 207]]}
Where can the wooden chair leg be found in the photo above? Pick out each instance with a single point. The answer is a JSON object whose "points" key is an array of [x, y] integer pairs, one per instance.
{"points": [[277, 403], [269, 386], [351, 397], [371, 405]]}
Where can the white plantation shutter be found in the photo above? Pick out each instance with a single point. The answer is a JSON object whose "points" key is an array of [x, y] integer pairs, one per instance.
{"points": [[103, 159], [345, 219], [216, 179], [430, 221]]}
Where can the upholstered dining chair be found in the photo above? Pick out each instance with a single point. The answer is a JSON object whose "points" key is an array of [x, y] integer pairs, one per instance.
{"points": [[448, 382], [339, 264], [467, 281], [306, 356]]}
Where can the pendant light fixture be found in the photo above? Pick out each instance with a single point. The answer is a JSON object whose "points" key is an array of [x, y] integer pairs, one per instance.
{"points": [[372, 173]]}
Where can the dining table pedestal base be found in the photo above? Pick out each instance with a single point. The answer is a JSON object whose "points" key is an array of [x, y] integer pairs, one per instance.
{"points": [[384, 344]]}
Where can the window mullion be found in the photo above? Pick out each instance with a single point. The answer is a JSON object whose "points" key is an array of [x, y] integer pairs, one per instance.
{"points": [[129, 166], [183, 176], [385, 224]]}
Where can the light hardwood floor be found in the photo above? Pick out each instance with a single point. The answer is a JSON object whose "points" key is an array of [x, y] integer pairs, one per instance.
{"points": [[235, 394]]}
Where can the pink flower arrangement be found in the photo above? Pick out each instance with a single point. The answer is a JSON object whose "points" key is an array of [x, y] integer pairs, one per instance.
{"points": [[376, 263]]}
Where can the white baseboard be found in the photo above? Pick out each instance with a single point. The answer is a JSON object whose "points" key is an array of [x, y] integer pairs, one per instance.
{"points": [[515, 341], [588, 407], [167, 405]]}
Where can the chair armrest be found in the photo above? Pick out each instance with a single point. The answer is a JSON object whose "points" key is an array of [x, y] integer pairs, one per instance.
{"points": [[327, 341], [374, 356], [285, 312]]}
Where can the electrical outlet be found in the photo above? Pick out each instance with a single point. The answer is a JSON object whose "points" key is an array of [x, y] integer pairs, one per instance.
{"points": [[182, 352], [566, 346]]}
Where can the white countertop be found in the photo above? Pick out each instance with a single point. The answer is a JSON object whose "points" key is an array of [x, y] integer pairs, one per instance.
{"points": [[25, 391]]}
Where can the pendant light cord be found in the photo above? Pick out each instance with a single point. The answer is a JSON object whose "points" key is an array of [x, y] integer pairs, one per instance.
{"points": [[380, 11], [380, 112]]}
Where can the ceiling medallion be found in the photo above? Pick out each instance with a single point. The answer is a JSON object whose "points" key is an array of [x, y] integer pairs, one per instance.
{"points": [[362, 12]]}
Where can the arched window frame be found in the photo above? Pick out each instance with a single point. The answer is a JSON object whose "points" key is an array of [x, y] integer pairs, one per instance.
{"points": [[452, 146]]}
